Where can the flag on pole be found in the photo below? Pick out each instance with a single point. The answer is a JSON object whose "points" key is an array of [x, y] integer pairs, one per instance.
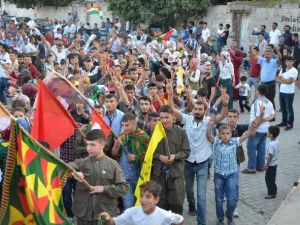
{"points": [[51, 121], [166, 36], [158, 134], [5, 119], [32, 192], [98, 122]]}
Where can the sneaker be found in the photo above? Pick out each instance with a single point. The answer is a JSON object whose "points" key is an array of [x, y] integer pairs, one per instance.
{"points": [[247, 171], [280, 125], [235, 213], [192, 211], [270, 196], [230, 221]]}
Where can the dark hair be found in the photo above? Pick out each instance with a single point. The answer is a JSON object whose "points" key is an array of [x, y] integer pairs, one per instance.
{"points": [[129, 87], [224, 127], [243, 78], [227, 26], [109, 96], [166, 109], [152, 85], [152, 115], [151, 187], [295, 35], [128, 117], [275, 24], [202, 92], [199, 102], [256, 48], [145, 98], [262, 34], [94, 135], [262, 89], [263, 26], [275, 131], [221, 24], [160, 78], [205, 23]]}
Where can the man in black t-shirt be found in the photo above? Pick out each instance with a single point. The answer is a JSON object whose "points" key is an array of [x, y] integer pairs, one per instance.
{"points": [[209, 83]]}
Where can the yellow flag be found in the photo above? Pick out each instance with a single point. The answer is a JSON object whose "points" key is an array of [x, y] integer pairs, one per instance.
{"points": [[158, 134]]}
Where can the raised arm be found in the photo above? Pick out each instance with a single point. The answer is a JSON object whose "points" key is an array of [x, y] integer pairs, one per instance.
{"points": [[209, 135], [225, 99], [177, 113]]}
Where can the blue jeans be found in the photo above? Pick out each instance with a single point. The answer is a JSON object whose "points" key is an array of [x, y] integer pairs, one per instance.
{"points": [[3, 88], [200, 170], [286, 105], [253, 81], [237, 183], [256, 149], [225, 184], [129, 199]]}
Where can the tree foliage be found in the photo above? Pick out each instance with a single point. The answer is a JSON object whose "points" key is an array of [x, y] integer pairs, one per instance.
{"points": [[158, 11], [33, 3]]}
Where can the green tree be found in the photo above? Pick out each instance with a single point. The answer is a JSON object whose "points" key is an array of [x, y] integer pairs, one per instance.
{"points": [[33, 3], [158, 11]]}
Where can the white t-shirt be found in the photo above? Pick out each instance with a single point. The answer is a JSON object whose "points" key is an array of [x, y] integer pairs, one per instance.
{"points": [[136, 216], [273, 148], [274, 37], [288, 88], [269, 110], [243, 89], [205, 34]]}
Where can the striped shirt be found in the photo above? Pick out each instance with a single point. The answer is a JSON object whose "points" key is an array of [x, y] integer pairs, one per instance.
{"points": [[225, 156]]}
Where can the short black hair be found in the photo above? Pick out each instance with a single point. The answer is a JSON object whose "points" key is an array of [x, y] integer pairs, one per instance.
{"points": [[275, 131], [94, 135], [275, 24], [128, 117], [109, 96], [152, 85], [166, 109], [145, 98], [152, 115], [129, 87], [262, 89], [243, 78], [262, 34], [202, 92], [233, 111]]}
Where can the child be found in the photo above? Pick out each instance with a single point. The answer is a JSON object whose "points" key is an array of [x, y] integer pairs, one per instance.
{"points": [[148, 212], [224, 152], [244, 92], [271, 162]]}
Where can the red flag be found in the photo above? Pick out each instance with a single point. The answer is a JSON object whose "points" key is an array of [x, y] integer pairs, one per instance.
{"points": [[97, 119], [51, 122], [166, 36]]}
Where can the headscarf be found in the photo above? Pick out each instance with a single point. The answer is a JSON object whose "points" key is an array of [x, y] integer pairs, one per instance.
{"points": [[226, 55]]}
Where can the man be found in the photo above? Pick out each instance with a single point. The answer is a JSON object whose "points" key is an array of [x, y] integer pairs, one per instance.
{"points": [[148, 212], [133, 143], [274, 35], [93, 72], [168, 163], [209, 83], [33, 70], [296, 49], [205, 33], [262, 44], [256, 144], [113, 116], [287, 78], [262, 30], [105, 177], [201, 150], [268, 72], [287, 36], [145, 106]]}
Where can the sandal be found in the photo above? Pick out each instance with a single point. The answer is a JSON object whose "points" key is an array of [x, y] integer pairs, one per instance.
{"points": [[247, 171]]}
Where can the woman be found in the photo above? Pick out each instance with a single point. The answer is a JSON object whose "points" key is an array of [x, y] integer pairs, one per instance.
{"points": [[193, 74], [226, 78]]}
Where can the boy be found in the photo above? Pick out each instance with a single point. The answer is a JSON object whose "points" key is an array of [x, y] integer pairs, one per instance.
{"points": [[271, 161], [148, 212], [244, 93], [224, 151]]}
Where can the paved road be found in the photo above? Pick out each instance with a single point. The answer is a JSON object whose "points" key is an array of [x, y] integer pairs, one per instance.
{"points": [[252, 207]]}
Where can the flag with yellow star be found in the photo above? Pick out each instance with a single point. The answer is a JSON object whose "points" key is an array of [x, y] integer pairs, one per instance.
{"points": [[32, 190]]}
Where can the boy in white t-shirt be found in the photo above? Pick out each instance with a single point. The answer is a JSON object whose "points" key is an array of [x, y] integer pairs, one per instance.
{"points": [[272, 161], [244, 93], [148, 213]]}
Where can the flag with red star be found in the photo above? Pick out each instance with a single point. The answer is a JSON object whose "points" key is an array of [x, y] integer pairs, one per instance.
{"points": [[32, 190]]}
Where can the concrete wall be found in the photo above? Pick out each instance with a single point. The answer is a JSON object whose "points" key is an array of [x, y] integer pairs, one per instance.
{"points": [[53, 12], [253, 17]]}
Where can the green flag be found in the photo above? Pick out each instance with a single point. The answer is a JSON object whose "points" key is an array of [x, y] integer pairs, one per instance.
{"points": [[32, 190]]}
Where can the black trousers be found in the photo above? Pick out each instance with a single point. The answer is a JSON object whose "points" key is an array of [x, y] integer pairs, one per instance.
{"points": [[271, 91], [243, 103], [270, 179]]}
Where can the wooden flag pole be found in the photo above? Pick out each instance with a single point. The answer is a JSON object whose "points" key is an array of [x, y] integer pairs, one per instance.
{"points": [[44, 148]]}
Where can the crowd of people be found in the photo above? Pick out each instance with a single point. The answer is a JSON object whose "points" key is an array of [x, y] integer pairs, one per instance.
{"points": [[188, 82]]}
